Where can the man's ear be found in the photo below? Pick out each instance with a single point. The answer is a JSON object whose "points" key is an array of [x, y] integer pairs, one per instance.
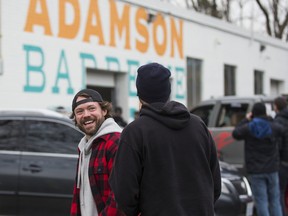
{"points": [[104, 112]]}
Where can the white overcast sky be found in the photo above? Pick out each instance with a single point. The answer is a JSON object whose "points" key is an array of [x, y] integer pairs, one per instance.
{"points": [[250, 9]]}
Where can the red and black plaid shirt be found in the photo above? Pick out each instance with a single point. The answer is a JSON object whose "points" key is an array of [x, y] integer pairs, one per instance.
{"points": [[101, 161]]}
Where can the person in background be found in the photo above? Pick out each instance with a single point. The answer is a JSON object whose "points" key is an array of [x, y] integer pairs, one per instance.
{"points": [[280, 107], [261, 158], [92, 193], [167, 162], [118, 117]]}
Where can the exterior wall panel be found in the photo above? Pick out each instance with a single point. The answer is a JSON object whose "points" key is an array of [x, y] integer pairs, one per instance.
{"points": [[47, 46]]}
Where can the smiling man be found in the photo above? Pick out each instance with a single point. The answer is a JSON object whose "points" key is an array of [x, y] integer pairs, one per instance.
{"points": [[92, 194]]}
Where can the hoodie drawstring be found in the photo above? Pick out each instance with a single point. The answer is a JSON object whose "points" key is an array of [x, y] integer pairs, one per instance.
{"points": [[79, 169]]}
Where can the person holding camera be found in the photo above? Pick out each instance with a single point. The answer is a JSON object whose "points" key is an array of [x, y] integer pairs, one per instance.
{"points": [[261, 158]]}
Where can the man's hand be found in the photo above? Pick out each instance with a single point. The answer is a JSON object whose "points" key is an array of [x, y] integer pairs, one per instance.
{"points": [[249, 116]]}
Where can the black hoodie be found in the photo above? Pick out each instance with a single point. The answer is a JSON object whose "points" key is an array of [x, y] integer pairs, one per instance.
{"points": [[282, 118], [261, 145], [166, 164]]}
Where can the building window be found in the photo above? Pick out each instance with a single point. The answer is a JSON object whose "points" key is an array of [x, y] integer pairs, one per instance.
{"points": [[230, 80], [258, 82], [276, 87], [194, 81]]}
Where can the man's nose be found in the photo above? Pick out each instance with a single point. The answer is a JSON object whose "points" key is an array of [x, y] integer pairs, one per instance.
{"points": [[86, 112]]}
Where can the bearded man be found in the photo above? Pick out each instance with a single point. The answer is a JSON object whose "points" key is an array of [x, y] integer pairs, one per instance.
{"points": [[92, 194]]}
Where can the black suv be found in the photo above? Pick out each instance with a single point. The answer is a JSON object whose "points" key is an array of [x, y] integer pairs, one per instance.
{"points": [[38, 156]]}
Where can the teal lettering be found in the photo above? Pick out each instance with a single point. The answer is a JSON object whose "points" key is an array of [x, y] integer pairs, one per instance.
{"points": [[62, 75], [180, 88], [37, 69], [132, 76], [112, 60], [132, 112], [86, 56]]}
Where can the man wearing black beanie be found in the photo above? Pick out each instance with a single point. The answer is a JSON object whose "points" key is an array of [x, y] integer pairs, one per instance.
{"points": [[167, 162]]}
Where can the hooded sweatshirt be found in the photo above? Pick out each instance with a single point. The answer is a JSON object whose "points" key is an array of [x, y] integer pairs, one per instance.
{"points": [[166, 164], [261, 145], [87, 203]]}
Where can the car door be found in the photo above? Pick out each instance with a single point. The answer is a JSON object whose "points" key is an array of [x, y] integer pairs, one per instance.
{"points": [[48, 167], [11, 141], [229, 114], [223, 116]]}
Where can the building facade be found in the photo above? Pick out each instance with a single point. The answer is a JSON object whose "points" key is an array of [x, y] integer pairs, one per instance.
{"points": [[50, 49]]}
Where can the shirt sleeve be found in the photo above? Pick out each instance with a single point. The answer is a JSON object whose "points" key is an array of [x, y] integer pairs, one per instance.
{"points": [[241, 130], [110, 208]]}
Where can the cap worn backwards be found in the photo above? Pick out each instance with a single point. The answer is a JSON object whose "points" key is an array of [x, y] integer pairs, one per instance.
{"points": [[93, 96], [152, 83], [259, 109]]}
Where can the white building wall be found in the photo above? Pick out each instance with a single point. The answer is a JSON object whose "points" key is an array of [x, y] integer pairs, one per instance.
{"points": [[213, 41]]}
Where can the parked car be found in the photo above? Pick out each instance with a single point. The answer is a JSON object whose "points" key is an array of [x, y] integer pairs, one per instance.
{"points": [[236, 196], [221, 115], [38, 156]]}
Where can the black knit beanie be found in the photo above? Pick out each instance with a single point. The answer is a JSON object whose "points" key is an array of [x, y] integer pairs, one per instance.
{"points": [[92, 96], [259, 109], [153, 84]]}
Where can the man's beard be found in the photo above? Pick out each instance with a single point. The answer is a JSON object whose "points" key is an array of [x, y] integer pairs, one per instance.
{"points": [[92, 130]]}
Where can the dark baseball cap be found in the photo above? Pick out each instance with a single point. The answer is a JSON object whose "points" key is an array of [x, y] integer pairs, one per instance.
{"points": [[92, 96]]}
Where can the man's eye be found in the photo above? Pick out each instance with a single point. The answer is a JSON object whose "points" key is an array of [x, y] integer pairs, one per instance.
{"points": [[79, 112], [92, 108]]}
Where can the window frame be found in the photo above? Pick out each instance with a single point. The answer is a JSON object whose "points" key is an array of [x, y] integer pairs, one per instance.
{"points": [[229, 80], [71, 146]]}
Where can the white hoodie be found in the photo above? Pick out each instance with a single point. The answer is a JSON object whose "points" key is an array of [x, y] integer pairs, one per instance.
{"points": [[87, 204]]}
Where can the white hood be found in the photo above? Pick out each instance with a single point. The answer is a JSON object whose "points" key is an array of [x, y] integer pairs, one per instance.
{"points": [[108, 126]]}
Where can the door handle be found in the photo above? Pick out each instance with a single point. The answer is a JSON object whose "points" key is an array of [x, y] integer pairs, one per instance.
{"points": [[33, 168]]}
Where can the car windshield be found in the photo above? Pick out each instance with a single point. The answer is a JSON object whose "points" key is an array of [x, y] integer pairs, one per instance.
{"points": [[204, 112]]}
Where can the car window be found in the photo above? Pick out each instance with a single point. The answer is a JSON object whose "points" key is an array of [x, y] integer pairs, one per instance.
{"points": [[204, 112], [51, 137], [10, 135], [231, 114]]}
